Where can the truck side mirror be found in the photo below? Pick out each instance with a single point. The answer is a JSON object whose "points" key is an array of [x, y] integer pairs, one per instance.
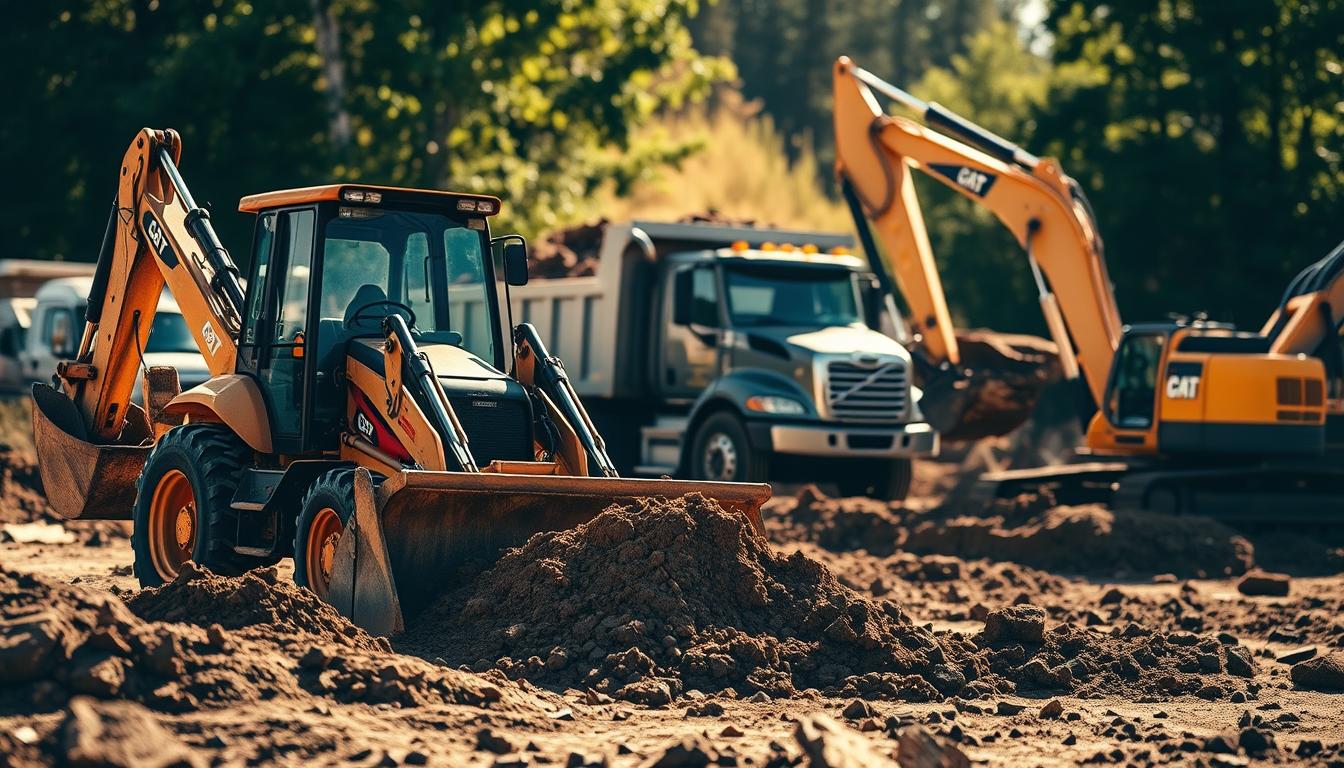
{"points": [[515, 262], [681, 297]]}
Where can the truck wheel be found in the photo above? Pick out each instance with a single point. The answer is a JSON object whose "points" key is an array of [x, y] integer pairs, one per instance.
{"points": [[722, 452], [885, 481], [182, 503], [326, 508]]}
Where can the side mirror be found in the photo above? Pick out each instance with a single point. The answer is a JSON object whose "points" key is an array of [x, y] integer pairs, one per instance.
{"points": [[681, 297], [515, 262]]}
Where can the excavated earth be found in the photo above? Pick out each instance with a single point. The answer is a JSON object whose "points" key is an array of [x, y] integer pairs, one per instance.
{"points": [[668, 633]]}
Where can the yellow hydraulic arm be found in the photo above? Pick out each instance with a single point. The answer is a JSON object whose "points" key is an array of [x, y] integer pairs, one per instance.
{"points": [[1031, 196], [155, 235]]}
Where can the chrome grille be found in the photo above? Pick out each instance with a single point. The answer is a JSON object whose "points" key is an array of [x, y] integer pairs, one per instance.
{"points": [[867, 393]]}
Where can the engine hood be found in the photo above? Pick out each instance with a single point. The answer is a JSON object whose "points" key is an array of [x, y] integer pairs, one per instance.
{"points": [[835, 340]]}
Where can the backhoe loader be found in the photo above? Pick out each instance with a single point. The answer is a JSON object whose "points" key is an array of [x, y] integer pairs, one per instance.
{"points": [[358, 416], [1203, 417]]}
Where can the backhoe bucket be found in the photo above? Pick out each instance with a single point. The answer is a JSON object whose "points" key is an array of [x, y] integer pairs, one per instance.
{"points": [[421, 535], [84, 480], [1001, 379]]}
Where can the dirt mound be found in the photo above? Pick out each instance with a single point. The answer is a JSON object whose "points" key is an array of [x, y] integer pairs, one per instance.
{"points": [[841, 525], [1017, 653], [1092, 539], [646, 601], [258, 601], [22, 501], [59, 640]]}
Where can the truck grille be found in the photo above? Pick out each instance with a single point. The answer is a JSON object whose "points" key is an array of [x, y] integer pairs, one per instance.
{"points": [[499, 431], [862, 393]]}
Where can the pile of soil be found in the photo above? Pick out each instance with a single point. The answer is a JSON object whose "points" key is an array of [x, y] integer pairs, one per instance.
{"points": [[1019, 653], [838, 524], [1091, 539], [649, 600], [59, 640], [22, 500]]}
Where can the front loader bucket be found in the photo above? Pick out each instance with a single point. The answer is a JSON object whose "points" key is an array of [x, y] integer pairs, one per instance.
{"points": [[422, 534], [996, 391], [83, 480]]}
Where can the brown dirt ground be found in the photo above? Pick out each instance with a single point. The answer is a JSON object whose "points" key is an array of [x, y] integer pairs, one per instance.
{"points": [[1047, 637]]}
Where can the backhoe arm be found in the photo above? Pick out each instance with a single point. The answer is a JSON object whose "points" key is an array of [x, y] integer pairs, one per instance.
{"points": [[155, 235], [1031, 196]]}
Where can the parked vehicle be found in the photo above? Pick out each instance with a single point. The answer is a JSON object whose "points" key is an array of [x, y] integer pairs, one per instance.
{"points": [[58, 321], [19, 280], [733, 353]]}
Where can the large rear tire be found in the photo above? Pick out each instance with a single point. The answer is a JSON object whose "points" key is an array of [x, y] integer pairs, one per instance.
{"points": [[182, 503], [721, 451], [884, 481], [326, 508]]}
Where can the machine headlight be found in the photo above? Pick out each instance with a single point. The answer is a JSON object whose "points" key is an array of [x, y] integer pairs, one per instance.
{"points": [[784, 406]]}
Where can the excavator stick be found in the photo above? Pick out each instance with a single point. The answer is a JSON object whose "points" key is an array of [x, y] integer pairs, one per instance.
{"points": [[420, 535], [85, 480]]}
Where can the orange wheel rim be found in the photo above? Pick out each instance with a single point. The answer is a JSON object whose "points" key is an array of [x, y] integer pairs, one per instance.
{"points": [[173, 524], [320, 549]]}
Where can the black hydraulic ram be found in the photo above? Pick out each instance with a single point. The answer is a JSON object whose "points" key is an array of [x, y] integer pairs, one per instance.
{"points": [[437, 408], [550, 377]]}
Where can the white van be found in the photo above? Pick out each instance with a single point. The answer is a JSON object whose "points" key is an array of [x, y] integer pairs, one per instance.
{"points": [[58, 322]]}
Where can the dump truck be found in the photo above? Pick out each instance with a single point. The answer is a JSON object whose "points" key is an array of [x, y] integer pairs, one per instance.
{"points": [[369, 411], [732, 353]]}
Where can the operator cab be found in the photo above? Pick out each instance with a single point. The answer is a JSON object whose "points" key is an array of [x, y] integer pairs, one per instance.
{"points": [[330, 264]]}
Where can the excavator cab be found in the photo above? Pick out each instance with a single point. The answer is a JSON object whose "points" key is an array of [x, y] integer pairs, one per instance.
{"points": [[370, 412]]}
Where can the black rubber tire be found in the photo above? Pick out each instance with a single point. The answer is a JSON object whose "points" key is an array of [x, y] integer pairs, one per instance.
{"points": [[884, 481], [212, 458], [751, 465], [334, 489]]}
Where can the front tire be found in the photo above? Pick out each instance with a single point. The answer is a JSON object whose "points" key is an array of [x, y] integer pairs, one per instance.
{"points": [[182, 504], [326, 509], [884, 481], [722, 452]]}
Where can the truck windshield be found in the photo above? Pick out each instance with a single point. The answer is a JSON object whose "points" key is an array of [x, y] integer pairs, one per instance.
{"points": [[169, 334], [799, 296], [431, 263]]}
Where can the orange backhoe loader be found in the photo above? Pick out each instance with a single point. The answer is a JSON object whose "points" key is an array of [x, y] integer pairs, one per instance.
{"points": [[359, 416], [1203, 417]]}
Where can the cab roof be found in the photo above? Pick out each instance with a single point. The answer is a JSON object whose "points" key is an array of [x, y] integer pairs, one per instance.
{"points": [[360, 193]]}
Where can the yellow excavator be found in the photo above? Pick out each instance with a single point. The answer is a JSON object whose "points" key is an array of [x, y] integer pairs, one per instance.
{"points": [[359, 416], [1200, 417]]}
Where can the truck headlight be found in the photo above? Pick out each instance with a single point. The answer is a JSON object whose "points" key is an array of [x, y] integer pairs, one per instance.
{"points": [[779, 405]]}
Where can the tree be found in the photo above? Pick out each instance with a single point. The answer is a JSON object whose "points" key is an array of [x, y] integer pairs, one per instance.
{"points": [[533, 103], [1207, 135]]}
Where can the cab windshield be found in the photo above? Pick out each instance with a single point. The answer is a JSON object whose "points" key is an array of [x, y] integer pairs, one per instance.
{"points": [[169, 334], [791, 296], [426, 261]]}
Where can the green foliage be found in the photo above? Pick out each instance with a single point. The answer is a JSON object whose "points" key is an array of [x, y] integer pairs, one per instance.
{"points": [[533, 103], [1208, 136]]}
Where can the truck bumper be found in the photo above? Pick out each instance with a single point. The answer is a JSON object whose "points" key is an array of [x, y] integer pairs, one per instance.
{"points": [[859, 442]]}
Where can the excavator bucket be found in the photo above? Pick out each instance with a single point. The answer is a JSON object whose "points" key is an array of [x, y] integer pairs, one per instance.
{"points": [[84, 480], [1001, 378], [420, 535]]}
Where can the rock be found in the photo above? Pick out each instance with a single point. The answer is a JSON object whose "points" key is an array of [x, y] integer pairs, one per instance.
{"points": [[1018, 623], [581, 760], [1239, 661], [1296, 655], [31, 645], [1220, 744], [1112, 597], [919, 748], [857, 709], [1256, 741], [649, 692], [120, 734], [731, 731], [1009, 708], [1323, 673], [490, 741], [691, 752], [1052, 709], [828, 744], [1263, 583], [98, 676]]}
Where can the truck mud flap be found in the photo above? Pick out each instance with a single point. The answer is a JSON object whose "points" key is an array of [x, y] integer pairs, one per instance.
{"points": [[84, 480], [421, 535]]}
